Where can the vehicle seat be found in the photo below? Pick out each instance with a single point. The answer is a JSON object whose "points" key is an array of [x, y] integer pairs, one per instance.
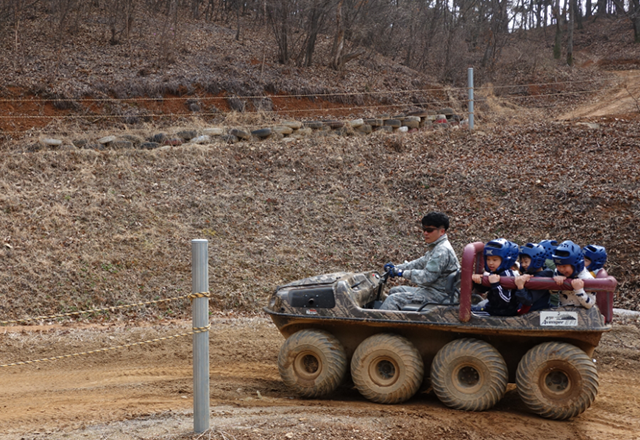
{"points": [[452, 289]]}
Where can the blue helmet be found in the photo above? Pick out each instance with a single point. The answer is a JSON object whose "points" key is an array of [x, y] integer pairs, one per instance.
{"points": [[549, 246], [597, 255], [537, 254], [568, 252], [502, 248], [515, 251]]}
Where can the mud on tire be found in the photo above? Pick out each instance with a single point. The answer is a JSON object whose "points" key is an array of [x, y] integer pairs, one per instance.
{"points": [[557, 380], [312, 363], [387, 368], [469, 374]]}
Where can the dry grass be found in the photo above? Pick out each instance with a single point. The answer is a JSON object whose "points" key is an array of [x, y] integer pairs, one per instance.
{"points": [[84, 228]]}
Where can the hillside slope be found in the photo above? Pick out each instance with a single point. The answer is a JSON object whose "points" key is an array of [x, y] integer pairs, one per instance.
{"points": [[81, 80], [85, 228]]}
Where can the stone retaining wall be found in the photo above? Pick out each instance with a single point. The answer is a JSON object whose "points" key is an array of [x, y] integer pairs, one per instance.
{"points": [[286, 131]]}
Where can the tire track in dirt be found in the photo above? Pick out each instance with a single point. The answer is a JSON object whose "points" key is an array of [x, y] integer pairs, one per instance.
{"points": [[621, 99], [112, 396]]}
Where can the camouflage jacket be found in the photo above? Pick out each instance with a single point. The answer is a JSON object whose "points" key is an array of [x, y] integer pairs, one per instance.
{"points": [[430, 271]]}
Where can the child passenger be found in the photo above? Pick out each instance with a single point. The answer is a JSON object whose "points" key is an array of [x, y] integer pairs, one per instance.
{"points": [[549, 247], [532, 264], [594, 258], [499, 256], [569, 263]]}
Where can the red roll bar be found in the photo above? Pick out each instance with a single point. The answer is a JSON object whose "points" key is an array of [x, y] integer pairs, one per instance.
{"points": [[473, 252]]}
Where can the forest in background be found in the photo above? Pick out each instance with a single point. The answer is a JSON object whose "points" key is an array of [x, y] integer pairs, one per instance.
{"points": [[439, 37]]}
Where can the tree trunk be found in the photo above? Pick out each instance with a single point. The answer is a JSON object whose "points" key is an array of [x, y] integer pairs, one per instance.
{"points": [[316, 19], [538, 15], [588, 7], [572, 13], [238, 22], [602, 8], [634, 14], [278, 18], [577, 13], [557, 45], [338, 41]]}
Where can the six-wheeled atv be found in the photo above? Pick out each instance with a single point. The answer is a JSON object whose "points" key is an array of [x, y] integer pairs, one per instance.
{"points": [[331, 326]]}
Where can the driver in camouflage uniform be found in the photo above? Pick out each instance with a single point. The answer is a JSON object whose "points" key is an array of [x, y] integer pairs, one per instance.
{"points": [[429, 272]]}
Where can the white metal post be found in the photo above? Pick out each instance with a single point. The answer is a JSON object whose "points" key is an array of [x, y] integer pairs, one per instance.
{"points": [[470, 77], [200, 310]]}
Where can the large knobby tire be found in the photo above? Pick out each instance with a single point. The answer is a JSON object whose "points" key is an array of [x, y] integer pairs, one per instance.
{"points": [[312, 363], [557, 380], [387, 368], [469, 374]]}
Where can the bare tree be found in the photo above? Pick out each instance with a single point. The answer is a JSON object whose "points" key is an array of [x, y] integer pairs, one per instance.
{"points": [[572, 13], [278, 19], [120, 18], [315, 21], [633, 14], [559, 16], [347, 12]]}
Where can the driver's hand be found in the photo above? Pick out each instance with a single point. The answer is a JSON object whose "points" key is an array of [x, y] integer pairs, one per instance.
{"points": [[388, 266]]}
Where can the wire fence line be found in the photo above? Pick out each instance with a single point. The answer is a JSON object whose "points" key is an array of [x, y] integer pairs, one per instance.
{"points": [[284, 111], [538, 93], [200, 327], [193, 331], [200, 114], [107, 309], [315, 95], [420, 103]]}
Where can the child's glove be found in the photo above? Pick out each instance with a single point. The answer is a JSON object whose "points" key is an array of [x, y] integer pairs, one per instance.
{"points": [[388, 266], [395, 272]]}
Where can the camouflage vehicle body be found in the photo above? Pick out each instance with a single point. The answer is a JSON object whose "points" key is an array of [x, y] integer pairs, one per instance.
{"points": [[340, 304]]}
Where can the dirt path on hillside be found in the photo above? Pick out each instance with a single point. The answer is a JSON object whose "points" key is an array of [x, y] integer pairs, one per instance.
{"points": [[145, 392], [615, 100]]}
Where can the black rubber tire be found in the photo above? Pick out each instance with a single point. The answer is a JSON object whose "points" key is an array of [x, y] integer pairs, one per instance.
{"points": [[262, 133], [374, 122], [312, 363], [387, 368], [316, 125], [240, 133], [469, 374], [557, 380], [334, 124]]}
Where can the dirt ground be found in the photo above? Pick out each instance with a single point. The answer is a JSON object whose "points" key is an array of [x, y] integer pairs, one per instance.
{"points": [[620, 99], [145, 392]]}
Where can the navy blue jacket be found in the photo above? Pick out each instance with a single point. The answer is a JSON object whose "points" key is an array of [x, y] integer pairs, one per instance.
{"points": [[537, 299], [502, 302]]}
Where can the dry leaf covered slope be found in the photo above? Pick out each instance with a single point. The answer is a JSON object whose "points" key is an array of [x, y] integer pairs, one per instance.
{"points": [[84, 228]]}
